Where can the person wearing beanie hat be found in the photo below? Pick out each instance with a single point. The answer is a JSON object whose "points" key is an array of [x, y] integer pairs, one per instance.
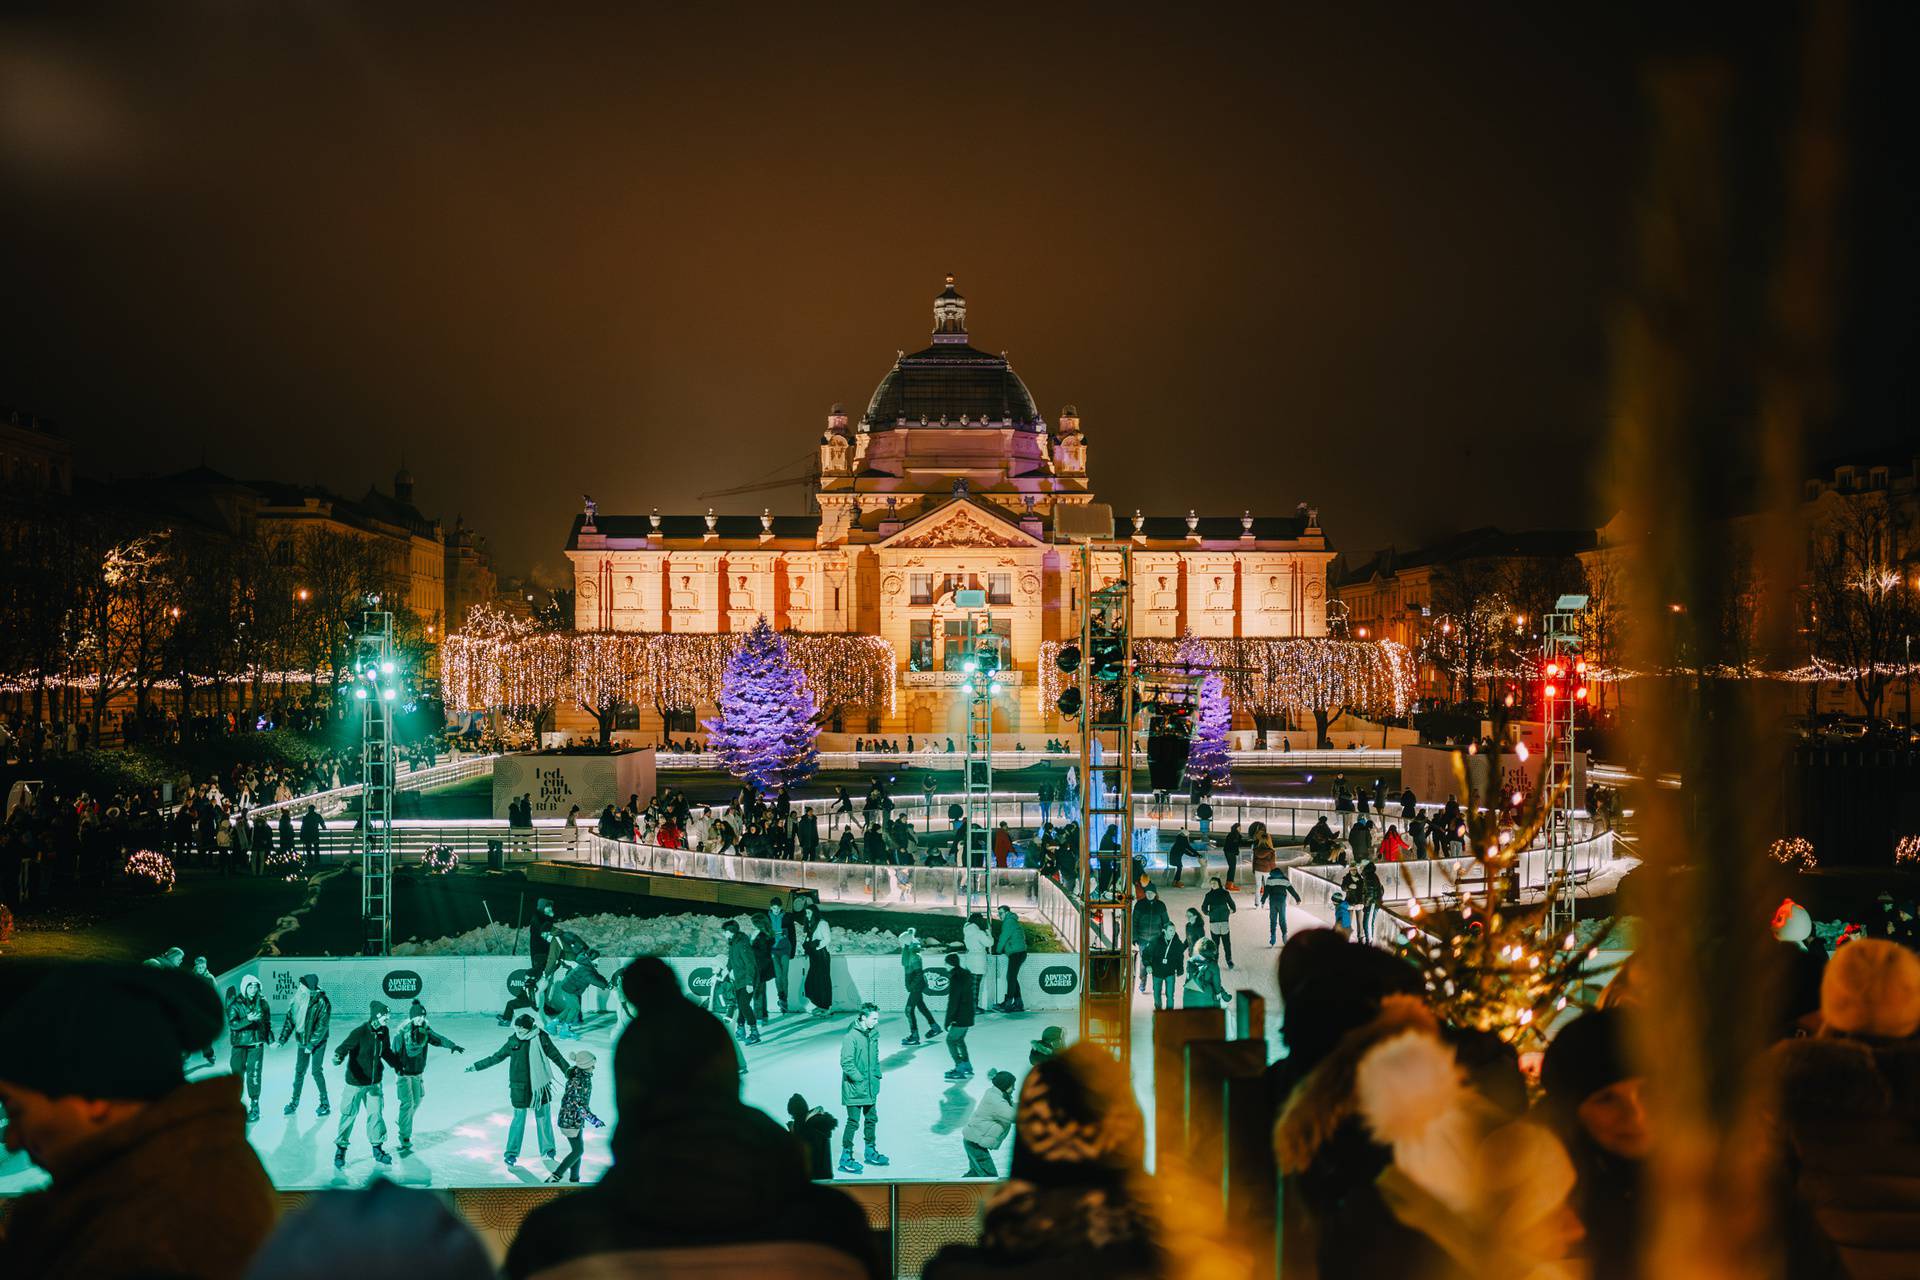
{"points": [[1591, 1098], [1076, 1201], [1051, 1041], [988, 1126], [396, 1233], [249, 1028], [527, 1051], [576, 1115], [365, 1051], [409, 1060], [308, 1023], [914, 970], [92, 1083], [813, 1127], [960, 1009], [1275, 892], [201, 972]]}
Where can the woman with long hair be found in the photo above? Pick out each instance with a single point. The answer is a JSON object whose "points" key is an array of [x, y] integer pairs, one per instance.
{"points": [[819, 981]]}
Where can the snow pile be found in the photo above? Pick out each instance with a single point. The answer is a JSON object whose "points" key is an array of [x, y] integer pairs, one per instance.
{"points": [[616, 935]]}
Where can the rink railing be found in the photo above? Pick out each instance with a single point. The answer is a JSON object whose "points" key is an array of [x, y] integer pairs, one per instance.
{"points": [[940, 758], [335, 799]]}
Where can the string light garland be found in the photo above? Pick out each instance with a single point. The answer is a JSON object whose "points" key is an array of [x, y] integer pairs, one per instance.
{"points": [[283, 863], [440, 860], [1794, 852], [151, 871], [1269, 676], [522, 670], [1906, 850]]}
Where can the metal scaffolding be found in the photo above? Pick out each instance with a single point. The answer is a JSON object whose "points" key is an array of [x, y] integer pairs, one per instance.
{"points": [[375, 687], [1562, 692], [1106, 795], [982, 672]]}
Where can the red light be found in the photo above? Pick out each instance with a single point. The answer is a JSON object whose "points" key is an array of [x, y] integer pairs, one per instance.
{"points": [[1580, 694], [1553, 691], [1581, 666], [1553, 669]]}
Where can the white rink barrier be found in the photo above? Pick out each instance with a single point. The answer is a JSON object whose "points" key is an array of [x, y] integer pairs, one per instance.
{"points": [[478, 984]]}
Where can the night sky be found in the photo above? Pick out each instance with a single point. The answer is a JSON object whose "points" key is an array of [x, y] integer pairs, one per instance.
{"points": [[1362, 255]]}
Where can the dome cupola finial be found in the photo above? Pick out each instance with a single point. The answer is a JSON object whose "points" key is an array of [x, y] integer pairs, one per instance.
{"points": [[950, 315]]}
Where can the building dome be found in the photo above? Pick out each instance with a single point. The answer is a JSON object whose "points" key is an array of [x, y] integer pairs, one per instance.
{"points": [[950, 380]]}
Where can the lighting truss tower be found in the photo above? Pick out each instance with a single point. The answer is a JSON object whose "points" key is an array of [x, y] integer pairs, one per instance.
{"points": [[1106, 795], [374, 688], [981, 671], [1564, 689]]}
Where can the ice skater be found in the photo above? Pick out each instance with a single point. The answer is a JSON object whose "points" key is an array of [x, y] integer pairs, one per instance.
{"points": [[860, 1086], [740, 979], [813, 1128], [960, 1011], [308, 1023], [529, 1083], [1011, 943], [988, 1126], [366, 1051], [576, 1115], [1275, 892], [780, 924], [914, 971], [410, 1065], [819, 983], [201, 972], [249, 1028]]}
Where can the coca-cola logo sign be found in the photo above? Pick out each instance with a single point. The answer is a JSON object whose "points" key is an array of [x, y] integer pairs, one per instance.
{"points": [[1058, 979], [700, 982], [402, 984]]}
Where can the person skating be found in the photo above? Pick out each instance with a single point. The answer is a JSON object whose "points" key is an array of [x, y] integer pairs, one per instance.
{"points": [[542, 955], [1149, 916], [739, 981], [576, 1115], [819, 941], [249, 1028], [308, 1023], [1051, 1041], [1219, 908], [914, 972], [813, 1128], [151, 1175], [529, 1083], [1320, 840], [409, 1067], [978, 941], [1012, 943], [1275, 892], [366, 1052], [1167, 958], [780, 924], [205, 974], [1202, 989], [988, 1126], [960, 1009], [860, 1086], [1177, 856]]}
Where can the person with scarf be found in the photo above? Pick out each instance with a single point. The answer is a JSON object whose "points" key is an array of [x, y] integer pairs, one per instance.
{"points": [[819, 982], [576, 1117], [366, 1051], [1076, 1201], [529, 1083], [249, 1028], [308, 1024], [410, 1066]]}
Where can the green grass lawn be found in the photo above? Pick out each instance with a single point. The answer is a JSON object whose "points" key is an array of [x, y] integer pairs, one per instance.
{"points": [[223, 919]]}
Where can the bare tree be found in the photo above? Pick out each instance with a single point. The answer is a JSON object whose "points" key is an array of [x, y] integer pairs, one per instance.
{"points": [[337, 571], [122, 612], [1472, 596], [1860, 599]]}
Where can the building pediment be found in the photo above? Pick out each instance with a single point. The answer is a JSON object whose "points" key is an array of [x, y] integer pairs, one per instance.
{"points": [[961, 522]]}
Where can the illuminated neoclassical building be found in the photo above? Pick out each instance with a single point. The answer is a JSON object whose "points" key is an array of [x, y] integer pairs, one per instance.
{"points": [[950, 479]]}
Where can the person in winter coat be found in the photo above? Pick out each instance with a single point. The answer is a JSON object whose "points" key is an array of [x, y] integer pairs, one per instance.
{"points": [[1372, 894], [1149, 916], [1850, 1110], [366, 1051], [576, 1115], [1275, 892], [1165, 957], [914, 972], [1219, 908], [1177, 856], [780, 927], [409, 1067], [960, 1010], [529, 1083], [1202, 989], [519, 997], [819, 943], [1195, 929], [739, 979], [311, 825], [205, 975], [762, 944], [308, 1023], [735, 1196], [542, 955], [150, 1175], [1417, 837], [1352, 896], [249, 1029], [1012, 943], [860, 1086], [1230, 845], [978, 942], [397, 1233], [1393, 846], [1076, 1202], [813, 1128], [988, 1126]]}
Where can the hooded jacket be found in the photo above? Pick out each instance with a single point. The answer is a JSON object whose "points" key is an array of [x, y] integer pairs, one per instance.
{"points": [[736, 1177], [119, 1207], [860, 1066], [309, 1027], [249, 1021]]}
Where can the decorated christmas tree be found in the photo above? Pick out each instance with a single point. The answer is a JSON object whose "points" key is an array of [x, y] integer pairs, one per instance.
{"points": [[1208, 767], [766, 729]]}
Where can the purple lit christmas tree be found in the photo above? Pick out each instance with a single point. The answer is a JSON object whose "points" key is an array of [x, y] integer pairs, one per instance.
{"points": [[766, 728], [1208, 767]]}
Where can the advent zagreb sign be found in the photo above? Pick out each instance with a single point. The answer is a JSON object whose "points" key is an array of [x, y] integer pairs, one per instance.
{"points": [[556, 782]]}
